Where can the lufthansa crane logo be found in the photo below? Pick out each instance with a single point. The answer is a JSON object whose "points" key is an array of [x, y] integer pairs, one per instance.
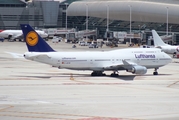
{"points": [[32, 38]]}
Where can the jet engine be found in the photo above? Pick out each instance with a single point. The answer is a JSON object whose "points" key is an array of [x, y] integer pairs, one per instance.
{"points": [[138, 70]]}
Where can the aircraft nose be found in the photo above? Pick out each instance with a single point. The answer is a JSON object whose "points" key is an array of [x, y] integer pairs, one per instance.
{"points": [[168, 58]]}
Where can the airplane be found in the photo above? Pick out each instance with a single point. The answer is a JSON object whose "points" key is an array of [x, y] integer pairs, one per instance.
{"points": [[158, 43], [134, 60], [17, 34]]}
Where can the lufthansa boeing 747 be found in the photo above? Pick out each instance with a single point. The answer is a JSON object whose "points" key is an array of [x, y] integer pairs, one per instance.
{"points": [[134, 60]]}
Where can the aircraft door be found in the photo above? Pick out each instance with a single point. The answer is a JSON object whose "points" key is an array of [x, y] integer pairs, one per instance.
{"points": [[113, 60], [91, 61], [56, 62], [138, 61]]}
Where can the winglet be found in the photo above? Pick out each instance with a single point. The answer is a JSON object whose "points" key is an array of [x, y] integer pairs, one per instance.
{"points": [[33, 41], [157, 39]]}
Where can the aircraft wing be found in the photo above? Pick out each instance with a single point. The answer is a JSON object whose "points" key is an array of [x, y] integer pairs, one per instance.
{"points": [[129, 67], [124, 64]]}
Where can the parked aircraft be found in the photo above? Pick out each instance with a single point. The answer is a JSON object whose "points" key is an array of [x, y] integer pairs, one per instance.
{"points": [[158, 42], [134, 60], [17, 34]]}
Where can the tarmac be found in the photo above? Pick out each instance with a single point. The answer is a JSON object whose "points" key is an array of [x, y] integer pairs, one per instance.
{"points": [[36, 91]]}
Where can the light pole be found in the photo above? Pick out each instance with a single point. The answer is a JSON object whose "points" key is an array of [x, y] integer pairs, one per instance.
{"points": [[170, 29], [139, 28], [167, 21], [139, 34], [107, 29], [86, 20], [66, 19], [130, 23]]}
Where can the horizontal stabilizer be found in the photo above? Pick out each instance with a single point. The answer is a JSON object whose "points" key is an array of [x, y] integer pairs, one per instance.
{"points": [[16, 55], [40, 56]]}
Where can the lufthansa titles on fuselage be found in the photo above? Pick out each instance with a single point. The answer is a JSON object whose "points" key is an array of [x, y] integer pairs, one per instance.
{"points": [[144, 56], [67, 60]]}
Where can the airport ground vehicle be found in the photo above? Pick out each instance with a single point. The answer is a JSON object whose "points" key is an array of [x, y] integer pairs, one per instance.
{"points": [[56, 39], [2, 39], [83, 43], [93, 46]]}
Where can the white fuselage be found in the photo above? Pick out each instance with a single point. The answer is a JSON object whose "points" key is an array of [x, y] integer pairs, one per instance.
{"points": [[100, 60], [169, 49], [18, 33]]}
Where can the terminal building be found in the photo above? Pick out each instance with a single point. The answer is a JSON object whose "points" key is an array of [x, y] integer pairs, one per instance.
{"points": [[134, 16], [36, 13]]}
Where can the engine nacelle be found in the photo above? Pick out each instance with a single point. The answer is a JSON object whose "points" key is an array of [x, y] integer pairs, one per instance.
{"points": [[138, 70]]}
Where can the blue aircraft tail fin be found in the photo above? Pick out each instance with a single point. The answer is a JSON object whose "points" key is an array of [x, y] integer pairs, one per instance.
{"points": [[33, 41]]}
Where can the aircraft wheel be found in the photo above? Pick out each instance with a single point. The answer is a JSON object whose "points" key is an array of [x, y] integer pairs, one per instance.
{"points": [[97, 73], [155, 73], [93, 74], [114, 75], [103, 74]]}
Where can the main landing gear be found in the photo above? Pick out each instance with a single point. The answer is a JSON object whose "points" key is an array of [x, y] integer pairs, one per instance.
{"points": [[114, 74], [155, 71], [98, 73]]}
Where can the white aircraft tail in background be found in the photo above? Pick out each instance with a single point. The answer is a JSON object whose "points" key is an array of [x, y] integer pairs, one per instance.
{"points": [[158, 42], [134, 60], [157, 39]]}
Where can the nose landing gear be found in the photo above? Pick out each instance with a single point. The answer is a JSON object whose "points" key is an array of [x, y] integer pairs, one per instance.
{"points": [[155, 71]]}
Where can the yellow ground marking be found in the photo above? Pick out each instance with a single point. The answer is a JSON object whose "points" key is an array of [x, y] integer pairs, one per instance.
{"points": [[173, 84], [9, 106]]}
